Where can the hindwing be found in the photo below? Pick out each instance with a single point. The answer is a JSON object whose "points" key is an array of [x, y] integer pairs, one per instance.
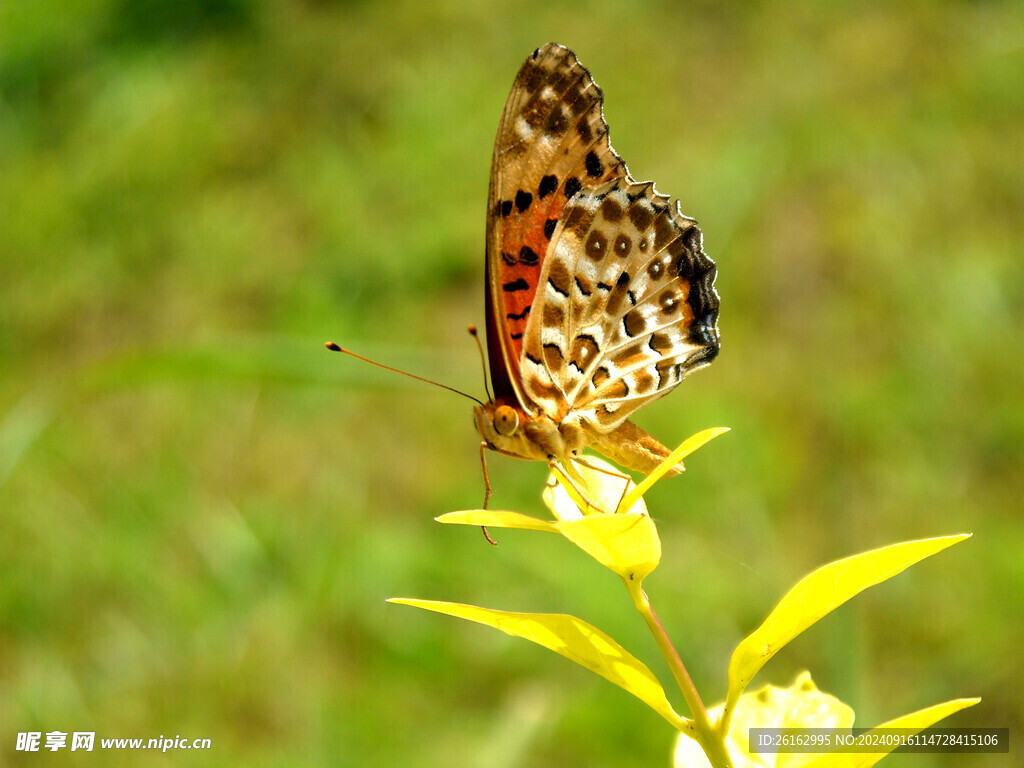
{"points": [[626, 308]]}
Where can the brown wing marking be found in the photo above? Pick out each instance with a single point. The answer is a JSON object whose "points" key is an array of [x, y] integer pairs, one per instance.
{"points": [[628, 306]]}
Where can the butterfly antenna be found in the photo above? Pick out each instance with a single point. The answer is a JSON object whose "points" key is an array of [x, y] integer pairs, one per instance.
{"points": [[483, 362], [337, 348]]}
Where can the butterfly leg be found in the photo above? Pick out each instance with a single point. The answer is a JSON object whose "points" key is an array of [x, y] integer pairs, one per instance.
{"points": [[574, 484], [488, 489], [611, 473]]}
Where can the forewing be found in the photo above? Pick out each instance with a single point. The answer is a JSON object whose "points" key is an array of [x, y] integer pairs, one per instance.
{"points": [[628, 305], [552, 142]]}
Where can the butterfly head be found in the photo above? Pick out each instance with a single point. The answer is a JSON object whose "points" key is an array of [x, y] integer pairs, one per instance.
{"points": [[511, 430], [500, 427]]}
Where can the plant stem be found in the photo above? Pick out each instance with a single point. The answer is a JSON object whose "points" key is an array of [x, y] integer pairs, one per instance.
{"points": [[709, 739]]}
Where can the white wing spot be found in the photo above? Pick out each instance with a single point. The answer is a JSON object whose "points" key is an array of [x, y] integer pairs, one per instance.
{"points": [[523, 129]]}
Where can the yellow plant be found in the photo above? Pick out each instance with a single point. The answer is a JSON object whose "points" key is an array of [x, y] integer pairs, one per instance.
{"points": [[612, 526]]}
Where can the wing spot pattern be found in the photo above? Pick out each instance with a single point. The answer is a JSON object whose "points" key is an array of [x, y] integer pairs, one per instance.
{"points": [[633, 323], [559, 278], [578, 220], [623, 245], [597, 245], [527, 256], [584, 348], [553, 314], [553, 357], [584, 131], [617, 294], [669, 302], [661, 343], [557, 123], [611, 210], [663, 230], [640, 214], [548, 184]]}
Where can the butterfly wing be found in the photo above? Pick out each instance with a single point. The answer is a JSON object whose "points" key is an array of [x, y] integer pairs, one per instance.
{"points": [[627, 308], [552, 142]]}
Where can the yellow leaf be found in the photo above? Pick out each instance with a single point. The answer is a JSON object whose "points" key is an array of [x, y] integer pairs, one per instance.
{"points": [[917, 721], [688, 446], [573, 638], [495, 519], [816, 595], [926, 717], [627, 544]]}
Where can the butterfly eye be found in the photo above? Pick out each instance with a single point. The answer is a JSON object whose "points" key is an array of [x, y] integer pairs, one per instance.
{"points": [[506, 420]]}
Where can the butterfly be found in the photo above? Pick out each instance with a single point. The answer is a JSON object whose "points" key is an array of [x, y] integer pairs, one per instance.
{"points": [[599, 297]]}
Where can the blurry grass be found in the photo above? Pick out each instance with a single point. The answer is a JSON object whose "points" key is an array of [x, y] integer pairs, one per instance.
{"points": [[203, 510]]}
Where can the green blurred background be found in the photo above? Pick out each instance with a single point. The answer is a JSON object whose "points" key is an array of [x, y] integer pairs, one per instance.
{"points": [[203, 510]]}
